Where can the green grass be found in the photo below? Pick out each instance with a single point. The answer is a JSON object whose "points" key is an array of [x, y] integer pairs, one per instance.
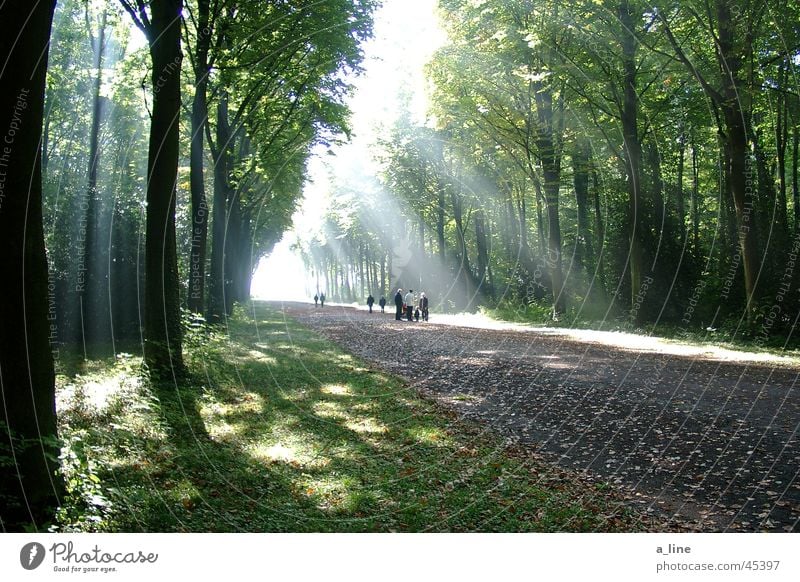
{"points": [[277, 430]]}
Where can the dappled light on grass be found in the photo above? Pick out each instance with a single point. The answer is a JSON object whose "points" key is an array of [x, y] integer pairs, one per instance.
{"points": [[429, 435], [330, 410], [110, 426], [336, 389], [367, 425], [260, 357], [96, 391], [275, 453], [294, 435], [349, 416], [95, 395]]}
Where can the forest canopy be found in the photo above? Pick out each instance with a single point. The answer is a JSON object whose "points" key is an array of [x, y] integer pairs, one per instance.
{"points": [[617, 163]]}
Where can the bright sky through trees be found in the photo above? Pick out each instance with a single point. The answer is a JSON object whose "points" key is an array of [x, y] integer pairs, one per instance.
{"points": [[406, 35]]}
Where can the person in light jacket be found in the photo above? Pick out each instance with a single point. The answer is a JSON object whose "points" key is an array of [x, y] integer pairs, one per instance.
{"points": [[409, 301]]}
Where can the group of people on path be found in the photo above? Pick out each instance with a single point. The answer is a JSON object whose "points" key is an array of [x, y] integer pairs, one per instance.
{"points": [[371, 302], [411, 306]]}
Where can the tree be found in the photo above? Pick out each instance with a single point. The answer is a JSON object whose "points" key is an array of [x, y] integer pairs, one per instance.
{"points": [[201, 66], [28, 484], [732, 30], [162, 325]]}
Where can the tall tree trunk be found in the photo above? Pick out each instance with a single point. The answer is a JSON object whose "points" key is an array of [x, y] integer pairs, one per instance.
{"points": [[549, 153], [552, 185], [29, 489], [540, 224], [93, 310], [737, 167], [421, 223], [599, 230], [659, 205], [440, 224], [781, 142], [244, 259], [383, 275], [197, 258], [232, 256], [162, 300], [796, 175], [680, 201], [509, 231], [463, 269], [580, 161], [361, 277], [695, 201], [771, 210], [632, 152], [483, 252], [216, 291]]}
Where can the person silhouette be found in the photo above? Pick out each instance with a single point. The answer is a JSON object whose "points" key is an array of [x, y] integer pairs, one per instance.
{"points": [[398, 303]]}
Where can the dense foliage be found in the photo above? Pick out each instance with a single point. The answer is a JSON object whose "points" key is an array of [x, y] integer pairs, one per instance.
{"points": [[625, 161], [148, 105]]}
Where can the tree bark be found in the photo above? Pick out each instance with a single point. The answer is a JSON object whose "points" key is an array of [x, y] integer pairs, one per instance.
{"points": [[580, 161], [549, 154], [695, 201], [483, 252], [796, 175], [599, 230], [29, 488], [737, 167], [93, 310], [197, 259], [163, 350], [680, 200], [632, 151], [216, 291]]}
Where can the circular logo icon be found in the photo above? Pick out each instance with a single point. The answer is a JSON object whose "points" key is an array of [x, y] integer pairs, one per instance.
{"points": [[31, 555]]}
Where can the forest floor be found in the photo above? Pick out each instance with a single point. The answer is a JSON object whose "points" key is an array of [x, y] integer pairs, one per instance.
{"points": [[702, 438]]}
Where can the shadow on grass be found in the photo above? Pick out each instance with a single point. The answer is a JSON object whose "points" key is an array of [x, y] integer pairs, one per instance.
{"points": [[278, 430]]}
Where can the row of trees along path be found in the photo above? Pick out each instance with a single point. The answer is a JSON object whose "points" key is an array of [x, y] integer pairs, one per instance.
{"points": [[265, 83]]}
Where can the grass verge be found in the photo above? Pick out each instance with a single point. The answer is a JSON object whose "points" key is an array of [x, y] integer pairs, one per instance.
{"points": [[278, 430]]}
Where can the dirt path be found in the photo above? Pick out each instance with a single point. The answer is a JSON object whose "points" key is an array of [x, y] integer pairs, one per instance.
{"points": [[710, 442]]}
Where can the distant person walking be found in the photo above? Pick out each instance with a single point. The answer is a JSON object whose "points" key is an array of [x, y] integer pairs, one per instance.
{"points": [[409, 301], [322, 299], [398, 302], [382, 303], [316, 300], [370, 301], [423, 306]]}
